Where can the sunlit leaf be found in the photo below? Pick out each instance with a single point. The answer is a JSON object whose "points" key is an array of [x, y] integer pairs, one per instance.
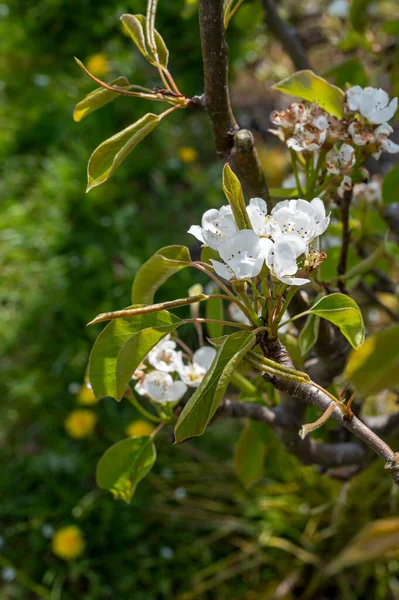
{"points": [[135, 27], [124, 465], [375, 366], [153, 273], [233, 191], [107, 157], [97, 99], [374, 541], [309, 334], [308, 86], [204, 402], [344, 313], [249, 456], [120, 348]]}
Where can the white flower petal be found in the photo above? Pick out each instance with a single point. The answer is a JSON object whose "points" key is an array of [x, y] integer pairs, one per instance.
{"points": [[204, 356], [222, 270], [196, 231]]}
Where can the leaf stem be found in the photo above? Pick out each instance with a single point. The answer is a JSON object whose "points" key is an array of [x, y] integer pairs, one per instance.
{"points": [[132, 398], [221, 322]]}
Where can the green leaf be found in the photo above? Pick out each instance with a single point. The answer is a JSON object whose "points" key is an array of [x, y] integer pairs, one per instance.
{"points": [[358, 14], [97, 99], [344, 313], [309, 334], [283, 192], [233, 191], [249, 456], [120, 348], [375, 366], [107, 157], [204, 402], [124, 465], [153, 273], [208, 253], [214, 310], [390, 186], [373, 542], [305, 84], [135, 26]]}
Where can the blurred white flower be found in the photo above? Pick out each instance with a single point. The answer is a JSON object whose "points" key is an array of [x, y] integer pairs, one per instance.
{"points": [[243, 255], [338, 8], [307, 219], [282, 258], [340, 161], [159, 386], [360, 134], [371, 103], [381, 137], [164, 356], [216, 226], [290, 181], [193, 373], [371, 191], [344, 186]]}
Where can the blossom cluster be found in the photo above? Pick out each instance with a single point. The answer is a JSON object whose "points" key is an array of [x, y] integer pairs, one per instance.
{"points": [[363, 131], [276, 240], [166, 376]]}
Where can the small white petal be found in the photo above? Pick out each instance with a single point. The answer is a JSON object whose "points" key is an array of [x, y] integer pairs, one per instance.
{"points": [[204, 356], [196, 231], [222, 270]]}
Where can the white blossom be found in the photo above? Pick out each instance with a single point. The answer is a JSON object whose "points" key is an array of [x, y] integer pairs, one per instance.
{"points": [[216, 226], [282, 258], [263, 224], [159, 386], [371, 191], [340, 161], [193, 373], [371, 103], [344, 186], [309, 135], [360, 134], [381, 137], [243, 255], [307, 219], [164, 356]]}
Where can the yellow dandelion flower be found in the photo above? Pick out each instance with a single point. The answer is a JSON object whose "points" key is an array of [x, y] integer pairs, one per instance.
{"points": [[139, 428], [68, 542], [98, 64], [80, 423], [188, 154], [85, 395]]}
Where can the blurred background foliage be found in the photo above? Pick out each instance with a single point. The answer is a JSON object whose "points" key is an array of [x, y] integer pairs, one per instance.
{"points": [[192, 530]]}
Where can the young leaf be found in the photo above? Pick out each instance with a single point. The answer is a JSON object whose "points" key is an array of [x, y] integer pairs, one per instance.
{"points": [[233, 191], [135, 26], [97, 99], [249, 456], [375, 366], [344, 313], [204, 402], [390, 186], [305, 84], [309, 334], [124, 465], [153, 273], [107, 157], [119, 349]]}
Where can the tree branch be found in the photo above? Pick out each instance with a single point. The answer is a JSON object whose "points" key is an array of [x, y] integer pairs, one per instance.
{"points": [[286, 35], [309, 394], [233, 145]]}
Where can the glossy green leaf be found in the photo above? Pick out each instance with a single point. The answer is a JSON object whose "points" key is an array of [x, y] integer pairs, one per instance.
{"points": [[214, 310], [249, 456], [390, 186], [375, 366], [233, 191], [204, 402], [373, 542], [308, 86], [309, 334], [107, 157], [97, 99], [124, 465], [153, 273], [344, 313], [120, 348], [135, 27]]}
